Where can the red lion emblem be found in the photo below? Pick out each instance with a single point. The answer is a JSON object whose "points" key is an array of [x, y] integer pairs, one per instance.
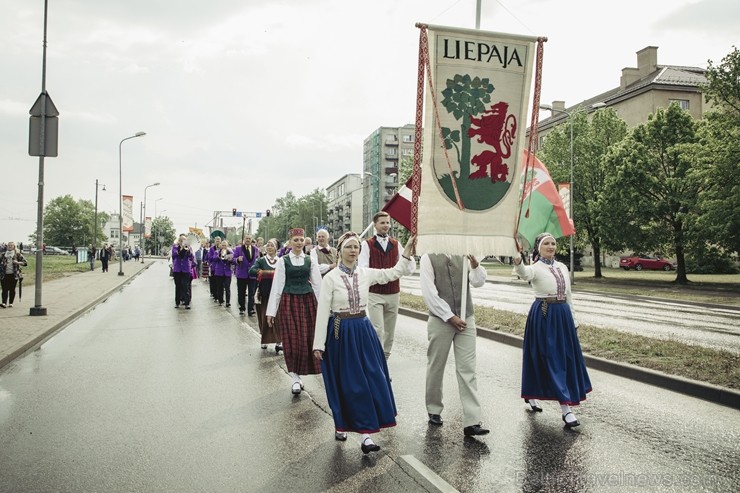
{"points": [[497, 130]]}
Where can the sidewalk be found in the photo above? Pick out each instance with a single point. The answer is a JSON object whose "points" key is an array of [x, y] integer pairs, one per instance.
{"points": [[69, 298], [65, 299]]}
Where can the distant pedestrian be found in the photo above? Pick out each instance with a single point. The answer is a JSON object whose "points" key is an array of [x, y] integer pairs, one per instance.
{"points": [[11, 261], [91, 256], [552, 362], [105, 255]]}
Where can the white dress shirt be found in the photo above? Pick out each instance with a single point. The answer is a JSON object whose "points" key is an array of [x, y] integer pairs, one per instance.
{"points": [[437, 306]]}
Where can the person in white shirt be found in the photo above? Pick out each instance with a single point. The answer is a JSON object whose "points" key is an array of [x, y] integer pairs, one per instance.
{"points": [[552, 362], [441, 279], [324, 254], [382, 252], [353, 364], [295, 289]]}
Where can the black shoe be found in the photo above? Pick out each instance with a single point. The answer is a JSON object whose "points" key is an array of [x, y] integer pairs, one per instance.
{"points": [[372, 447], [340, 436], [187, 307], [475, 430], [435, 419], [278, 348], [570, 424], [252, 313], [534, 405], [241, 312], [177, 306]]}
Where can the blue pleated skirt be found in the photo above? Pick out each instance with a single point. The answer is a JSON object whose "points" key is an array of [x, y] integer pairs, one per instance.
{"points": [[356, 378], [552, 361]]}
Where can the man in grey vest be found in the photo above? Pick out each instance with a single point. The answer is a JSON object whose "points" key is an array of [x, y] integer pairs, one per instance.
{"points": [[441, 286]]}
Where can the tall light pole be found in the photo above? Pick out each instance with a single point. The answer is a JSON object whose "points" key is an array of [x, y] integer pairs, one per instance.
{"points": [[141, 225], [95, 225], [572, 190], [120, 202]]}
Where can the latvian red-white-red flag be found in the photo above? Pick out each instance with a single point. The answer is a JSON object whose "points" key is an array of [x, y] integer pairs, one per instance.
{"points": [[474, 132], [399, 206]]}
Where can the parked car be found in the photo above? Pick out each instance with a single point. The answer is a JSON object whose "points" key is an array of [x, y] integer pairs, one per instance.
{"points": [[639, 262], [52, 250]]}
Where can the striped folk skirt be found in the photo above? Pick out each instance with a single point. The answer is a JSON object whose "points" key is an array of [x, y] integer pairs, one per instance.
{"points": [[355, 374], [552, 362], [296, 318]]}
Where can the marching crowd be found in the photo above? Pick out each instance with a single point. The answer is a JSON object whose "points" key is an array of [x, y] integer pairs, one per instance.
{"points": [[332, 311]]}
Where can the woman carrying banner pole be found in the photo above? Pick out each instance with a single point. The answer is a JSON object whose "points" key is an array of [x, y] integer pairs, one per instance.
{"points": [[292, 305], [552, 363], [353, 364]]}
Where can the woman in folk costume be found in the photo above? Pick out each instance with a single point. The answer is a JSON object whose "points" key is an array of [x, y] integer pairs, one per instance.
{"points": [[353, 364], [264, 269], [292, 305], [553, 367]]}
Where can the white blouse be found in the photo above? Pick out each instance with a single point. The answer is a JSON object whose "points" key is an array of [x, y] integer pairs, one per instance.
{"points": [[278, 282], [341, 292], [544, 282]]}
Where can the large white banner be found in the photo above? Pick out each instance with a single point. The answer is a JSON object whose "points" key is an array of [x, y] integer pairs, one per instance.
{"points": [[474, 128], [128, 213], [147, 227]]}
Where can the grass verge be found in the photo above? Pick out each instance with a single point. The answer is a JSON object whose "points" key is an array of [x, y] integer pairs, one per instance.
{"points": [[668, 356], [53, 267]]}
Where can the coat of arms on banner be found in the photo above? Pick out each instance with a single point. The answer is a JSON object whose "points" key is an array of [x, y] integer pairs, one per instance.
{"points": [[482, 142]]}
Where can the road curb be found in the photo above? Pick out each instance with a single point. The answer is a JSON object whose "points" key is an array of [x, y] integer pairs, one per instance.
{"points": [[41, 338], [693, 388]]}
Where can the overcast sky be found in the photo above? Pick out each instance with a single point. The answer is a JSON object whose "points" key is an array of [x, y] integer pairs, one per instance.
{"points": [[243, 100]]}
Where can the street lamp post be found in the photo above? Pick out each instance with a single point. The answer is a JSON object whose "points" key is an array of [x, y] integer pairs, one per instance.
{"points": [[95, 225], [570, 195], [141, 225], [120, 202]]}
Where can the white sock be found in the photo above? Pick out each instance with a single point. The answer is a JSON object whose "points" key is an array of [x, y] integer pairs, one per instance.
{"points": [[534, 403], [565, 408], [366, 439], [295, 377]]}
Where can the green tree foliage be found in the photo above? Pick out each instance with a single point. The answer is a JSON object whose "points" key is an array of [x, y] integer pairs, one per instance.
{"points": [[69, 222], [289, 212], [591, 143], [163, 235], [720, 136], [650, 196]]}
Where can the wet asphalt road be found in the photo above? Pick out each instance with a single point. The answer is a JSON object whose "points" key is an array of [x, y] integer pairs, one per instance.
{"points": [[138, 396], [710, 326]]}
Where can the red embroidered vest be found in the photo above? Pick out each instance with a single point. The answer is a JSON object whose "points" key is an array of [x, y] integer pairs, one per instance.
{"points": [[384, 260]]}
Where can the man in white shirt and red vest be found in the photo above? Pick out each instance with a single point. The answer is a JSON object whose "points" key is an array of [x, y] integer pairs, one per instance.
{"points": [[382, 252]]}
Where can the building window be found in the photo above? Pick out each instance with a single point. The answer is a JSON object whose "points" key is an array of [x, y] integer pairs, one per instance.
{"points": [[340, 191], [682, 103], [408, 138]]}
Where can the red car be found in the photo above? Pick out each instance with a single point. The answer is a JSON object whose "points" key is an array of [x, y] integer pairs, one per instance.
{"points": [[639, 262]]}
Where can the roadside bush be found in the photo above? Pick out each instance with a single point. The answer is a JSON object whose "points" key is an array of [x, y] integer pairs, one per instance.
{"points": [[711, 261]]}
